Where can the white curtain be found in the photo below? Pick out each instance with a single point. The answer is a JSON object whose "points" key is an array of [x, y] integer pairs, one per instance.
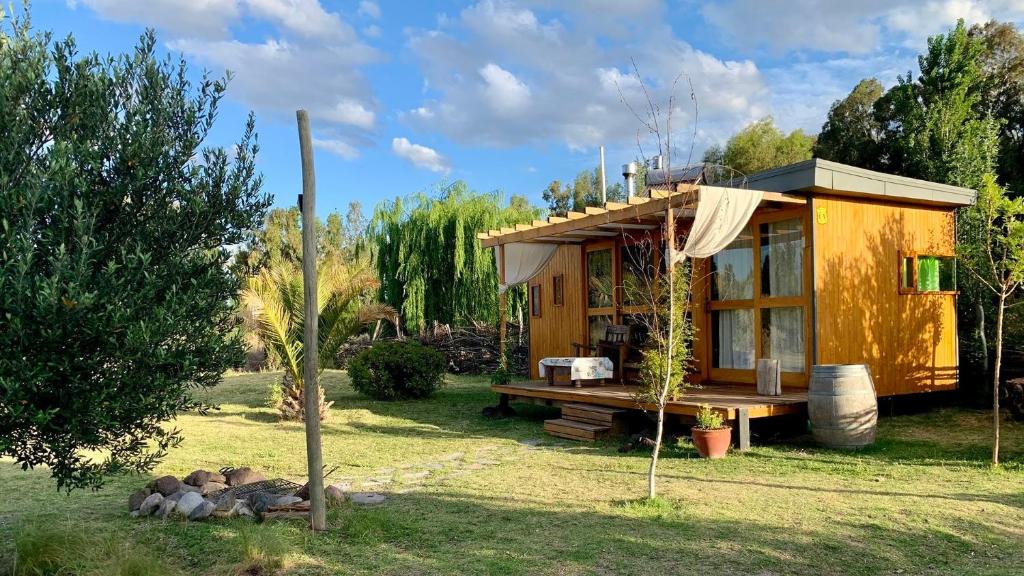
{"points": [[722, 213], [523, 261], [735, 336]]}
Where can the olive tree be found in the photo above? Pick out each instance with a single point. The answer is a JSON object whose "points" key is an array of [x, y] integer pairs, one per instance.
{"points": [[116, 302]]}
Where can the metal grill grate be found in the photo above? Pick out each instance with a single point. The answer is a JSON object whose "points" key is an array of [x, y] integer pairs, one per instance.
{"points": [[275, 486]]}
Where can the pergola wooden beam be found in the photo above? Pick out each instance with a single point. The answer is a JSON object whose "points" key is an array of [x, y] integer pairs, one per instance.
{"points": [[636, 213]]}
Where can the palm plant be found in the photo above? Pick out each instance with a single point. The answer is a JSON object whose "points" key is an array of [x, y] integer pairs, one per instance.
{"points": [[276, 302]]}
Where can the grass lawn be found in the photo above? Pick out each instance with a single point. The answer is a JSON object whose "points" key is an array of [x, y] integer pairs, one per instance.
{"points": [[923, 500]]}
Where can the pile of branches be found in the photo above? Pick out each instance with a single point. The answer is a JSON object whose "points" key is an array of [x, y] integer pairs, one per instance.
{"points": [[467, 350]]}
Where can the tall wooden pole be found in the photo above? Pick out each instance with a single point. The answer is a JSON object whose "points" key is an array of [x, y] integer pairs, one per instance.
{"points": [[502, 306], [310, 345]]}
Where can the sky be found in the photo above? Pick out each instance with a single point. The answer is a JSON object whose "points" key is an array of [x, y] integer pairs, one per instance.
{"points": [[510, 94]]}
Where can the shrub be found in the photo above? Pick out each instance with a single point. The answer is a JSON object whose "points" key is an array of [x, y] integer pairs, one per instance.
{"points": [[397, 371], [708, 419]]}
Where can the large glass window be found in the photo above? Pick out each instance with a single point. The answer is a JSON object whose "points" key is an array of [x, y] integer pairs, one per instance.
{"points": [[782, 337], [599, 278], [637, 274], [732, 269], [732, 339], [782, 266]]}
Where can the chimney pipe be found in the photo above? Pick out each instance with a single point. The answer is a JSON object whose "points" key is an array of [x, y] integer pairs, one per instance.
{"points": [[604, 187], [629, 172]]}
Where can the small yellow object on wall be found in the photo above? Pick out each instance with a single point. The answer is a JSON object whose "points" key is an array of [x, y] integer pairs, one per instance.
{"points": [[821, 214]]}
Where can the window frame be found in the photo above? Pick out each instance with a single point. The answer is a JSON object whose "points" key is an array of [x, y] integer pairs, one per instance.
{"points": [[913, 288], [536, 304], [558, 290]]}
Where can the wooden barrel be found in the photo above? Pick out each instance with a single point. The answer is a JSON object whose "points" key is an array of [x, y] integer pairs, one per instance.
{"points": [[842, 405]]}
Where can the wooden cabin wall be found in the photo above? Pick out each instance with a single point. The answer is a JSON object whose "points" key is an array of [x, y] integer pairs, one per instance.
{"points": [[908, 340], [553, 333]]}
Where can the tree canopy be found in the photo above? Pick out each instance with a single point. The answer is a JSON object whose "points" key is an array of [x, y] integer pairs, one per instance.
{"points": [[851, 132], [430, 263], [761, 146], [116, 304], [585, 190]]}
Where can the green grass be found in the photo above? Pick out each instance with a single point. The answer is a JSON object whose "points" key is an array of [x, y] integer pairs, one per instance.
{"points": [[923, 500]]}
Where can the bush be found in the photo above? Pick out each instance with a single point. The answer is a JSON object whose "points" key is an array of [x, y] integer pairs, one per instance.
{"points": [[397, 371]]}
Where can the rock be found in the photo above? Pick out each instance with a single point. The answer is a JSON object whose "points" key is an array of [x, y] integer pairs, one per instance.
{"points": [[134, 514], [200, 477], [261, 501], [188, 503], [211, 487], [367, 498], [150, 504], [165, 485], [303, 492], [188, 488], [202, 511], [175, 497], [136, 499], [334, 494], [166, 507], [244, 475], [245, 510], [287, 500]]}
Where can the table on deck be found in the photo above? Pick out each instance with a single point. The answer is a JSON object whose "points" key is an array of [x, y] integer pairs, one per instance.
{"points": [[578, 368]]}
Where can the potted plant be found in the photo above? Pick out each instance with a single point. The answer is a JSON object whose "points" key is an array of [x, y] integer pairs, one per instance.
{"points": [[711, 436]]}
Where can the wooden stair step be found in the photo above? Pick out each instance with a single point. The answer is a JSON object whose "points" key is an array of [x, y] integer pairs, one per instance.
{"points": [[575, 430], [592, 414]]}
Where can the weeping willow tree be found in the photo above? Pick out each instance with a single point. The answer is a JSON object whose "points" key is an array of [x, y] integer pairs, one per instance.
{"points": [[431, 265]]}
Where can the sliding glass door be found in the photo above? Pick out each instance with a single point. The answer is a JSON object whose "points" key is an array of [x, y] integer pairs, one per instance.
{"points": [[759, 300]]}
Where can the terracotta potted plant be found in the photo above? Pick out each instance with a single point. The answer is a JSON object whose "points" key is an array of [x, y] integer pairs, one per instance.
{"points": [[711, 436]]}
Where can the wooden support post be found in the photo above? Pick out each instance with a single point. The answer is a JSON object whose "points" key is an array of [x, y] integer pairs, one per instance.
{"points": [[743, 429], [310, 345], [502, 306]]}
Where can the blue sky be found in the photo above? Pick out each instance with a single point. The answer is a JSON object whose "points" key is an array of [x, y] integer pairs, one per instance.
{"points": [[509, 94]]}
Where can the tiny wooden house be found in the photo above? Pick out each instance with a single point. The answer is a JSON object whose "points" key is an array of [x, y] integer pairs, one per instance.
{"points": [[835, 265]]}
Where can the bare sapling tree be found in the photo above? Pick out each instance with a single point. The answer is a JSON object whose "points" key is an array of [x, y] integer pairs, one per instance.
{"points": [[996, 258], [665, 293]]}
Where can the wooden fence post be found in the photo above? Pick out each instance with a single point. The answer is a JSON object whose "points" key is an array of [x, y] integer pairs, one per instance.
{"points": [[310, 346]]}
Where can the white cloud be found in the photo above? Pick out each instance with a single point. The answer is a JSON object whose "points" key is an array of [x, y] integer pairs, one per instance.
{"points": [[311, 58], [305, 17], [369, 9], [420, 156], [860, 27], [372, 31], [203, 18], [500, 74], [339, 147], [506, 94]]}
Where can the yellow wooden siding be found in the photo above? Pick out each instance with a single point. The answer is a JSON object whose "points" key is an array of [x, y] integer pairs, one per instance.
{"points": [[908, 340], [553, 333]]}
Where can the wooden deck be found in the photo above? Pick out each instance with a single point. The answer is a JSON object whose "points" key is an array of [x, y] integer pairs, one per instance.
{"points": [[729, 399]]}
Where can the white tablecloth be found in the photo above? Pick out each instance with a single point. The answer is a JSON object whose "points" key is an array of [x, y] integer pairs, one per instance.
{"points": [[580, 368]]}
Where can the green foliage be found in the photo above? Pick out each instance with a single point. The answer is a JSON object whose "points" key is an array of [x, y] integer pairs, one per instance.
{"points": [[262, 551], [1002, 94], [669, 353], [851, 132], [279, 241], [584, 191], [997, 259], [931, 126], [761, 146], [115, 300], [708, 419], [397, 371], [276, 300], [431, 265]]}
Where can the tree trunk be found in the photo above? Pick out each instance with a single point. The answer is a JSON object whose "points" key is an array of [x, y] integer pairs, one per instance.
{"points": [[995, 378], [652, 471]]}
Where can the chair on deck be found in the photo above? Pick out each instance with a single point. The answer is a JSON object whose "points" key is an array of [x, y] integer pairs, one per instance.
{"points": [[616, 345]]}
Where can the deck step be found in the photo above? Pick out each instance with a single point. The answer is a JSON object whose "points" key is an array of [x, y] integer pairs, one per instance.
{"points": [[592, 414], [575, 430]]}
